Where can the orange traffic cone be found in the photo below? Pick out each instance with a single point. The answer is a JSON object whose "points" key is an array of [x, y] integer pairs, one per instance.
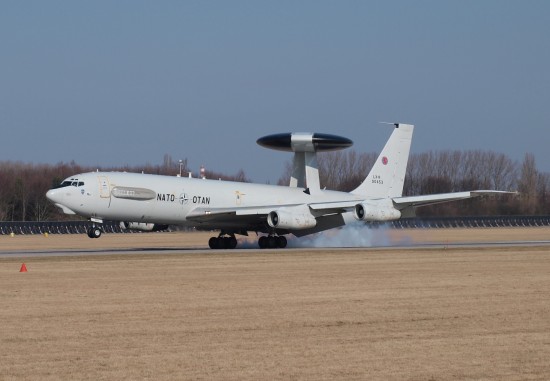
{"points": [[23, 268]]}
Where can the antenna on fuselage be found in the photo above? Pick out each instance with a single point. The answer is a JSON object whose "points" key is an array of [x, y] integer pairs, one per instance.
{"points": [[203, 172], [181, 166], [305, 145]]}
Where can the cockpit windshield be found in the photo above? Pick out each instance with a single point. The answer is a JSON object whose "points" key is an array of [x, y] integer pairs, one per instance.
{"points": [[71, 182]]}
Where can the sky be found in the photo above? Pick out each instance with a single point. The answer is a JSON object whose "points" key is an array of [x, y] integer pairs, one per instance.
{"points": [[114, 83]]}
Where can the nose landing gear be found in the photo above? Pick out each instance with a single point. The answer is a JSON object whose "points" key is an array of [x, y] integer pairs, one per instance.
{"points": [[94, 232]]}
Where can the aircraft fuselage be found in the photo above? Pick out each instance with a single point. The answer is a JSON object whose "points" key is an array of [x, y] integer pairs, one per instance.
{"points": [[159, 199]]}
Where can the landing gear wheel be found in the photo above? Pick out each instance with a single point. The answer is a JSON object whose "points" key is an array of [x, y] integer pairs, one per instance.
{"points": [[213, 243], [94, 232], [271, 242], [231, 242], [262, 242], [281, 242]]}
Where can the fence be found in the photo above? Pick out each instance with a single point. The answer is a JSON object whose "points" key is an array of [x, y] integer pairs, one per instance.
{"points": [[59, 227], [81, 227]]}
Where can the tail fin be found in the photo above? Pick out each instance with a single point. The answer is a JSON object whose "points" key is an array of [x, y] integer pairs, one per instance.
{"points": [[386, 178]]}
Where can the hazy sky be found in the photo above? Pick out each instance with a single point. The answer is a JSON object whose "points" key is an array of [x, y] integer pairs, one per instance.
{"points": [[124, 82]]}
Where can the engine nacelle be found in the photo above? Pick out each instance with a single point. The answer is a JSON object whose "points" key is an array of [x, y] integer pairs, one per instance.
{"points": [[366, 212], [142, 226], [285, 219]]}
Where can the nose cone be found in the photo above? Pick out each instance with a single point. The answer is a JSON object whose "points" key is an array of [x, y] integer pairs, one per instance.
{"points": [[52, 195], [55, 196]]}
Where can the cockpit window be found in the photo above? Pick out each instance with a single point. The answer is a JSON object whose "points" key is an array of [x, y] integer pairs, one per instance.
{"points": [[71, 182], [65, 184]]}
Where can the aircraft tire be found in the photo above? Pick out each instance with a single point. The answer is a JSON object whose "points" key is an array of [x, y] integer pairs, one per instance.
{"points": [[271, 242], [262, 242], [281, 242], [96, 232], [213, 243]]}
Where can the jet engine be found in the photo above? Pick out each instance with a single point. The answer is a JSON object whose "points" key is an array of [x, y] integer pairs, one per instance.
{"points": [[142, 226], [287, 219], [366, 212]]}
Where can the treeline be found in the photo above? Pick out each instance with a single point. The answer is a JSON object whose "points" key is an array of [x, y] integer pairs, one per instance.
{"points": [[23, 186], [449, 171]]}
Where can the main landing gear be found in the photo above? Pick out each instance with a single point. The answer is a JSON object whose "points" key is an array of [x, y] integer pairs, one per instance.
{"points": [[272, 242], [222, 242], [228, 241], [94, 232]]}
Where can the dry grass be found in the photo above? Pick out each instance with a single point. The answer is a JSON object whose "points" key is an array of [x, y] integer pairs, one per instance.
{"points": [[451, 314]]}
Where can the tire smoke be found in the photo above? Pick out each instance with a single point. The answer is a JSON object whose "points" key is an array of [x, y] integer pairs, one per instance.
{"points": [[354, 235]]}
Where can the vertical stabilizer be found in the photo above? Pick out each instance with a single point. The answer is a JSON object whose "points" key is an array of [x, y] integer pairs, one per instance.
{"points": [[387, 176]]}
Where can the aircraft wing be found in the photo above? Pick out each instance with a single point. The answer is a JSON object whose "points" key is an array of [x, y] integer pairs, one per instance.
{"points": [[216, 214], [259, 213], [412, 201], [229, 218], [329, 215]]}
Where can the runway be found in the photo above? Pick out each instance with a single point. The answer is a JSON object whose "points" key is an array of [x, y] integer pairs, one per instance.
{"points": [[195, 243], [202, 251]]}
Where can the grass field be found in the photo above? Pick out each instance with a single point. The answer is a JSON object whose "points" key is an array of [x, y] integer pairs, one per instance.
{"points": [[407, 314]]}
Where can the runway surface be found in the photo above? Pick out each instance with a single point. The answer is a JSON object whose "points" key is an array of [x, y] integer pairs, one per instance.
{"points": [[187, 250], [195, 243]]}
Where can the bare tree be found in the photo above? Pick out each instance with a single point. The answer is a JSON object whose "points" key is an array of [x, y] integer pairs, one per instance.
{"points": [[527, 184], [23, 186]]}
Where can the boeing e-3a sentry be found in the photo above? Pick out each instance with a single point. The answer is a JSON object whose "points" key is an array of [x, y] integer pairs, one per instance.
{"points": [[147, 202]]}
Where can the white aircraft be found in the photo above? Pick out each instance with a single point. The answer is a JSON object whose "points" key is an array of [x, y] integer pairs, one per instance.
{"points": [[147, 202]]}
